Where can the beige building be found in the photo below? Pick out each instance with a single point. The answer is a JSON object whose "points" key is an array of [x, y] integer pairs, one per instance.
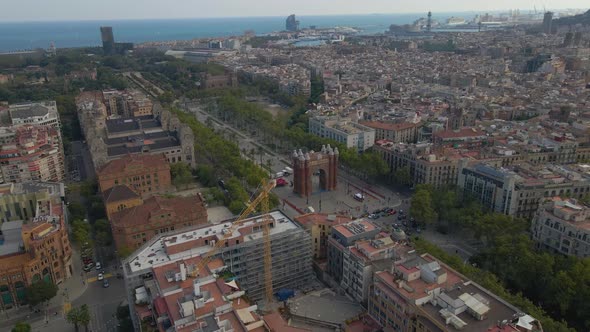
{"points": [[563, 226], [319, 226], [351, 134], [403, 132]]}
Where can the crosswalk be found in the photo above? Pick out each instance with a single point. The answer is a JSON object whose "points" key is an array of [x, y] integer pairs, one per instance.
{"points": [[94, 279]]}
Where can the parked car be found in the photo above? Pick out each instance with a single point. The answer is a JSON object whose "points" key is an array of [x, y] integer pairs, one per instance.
{"points": [[98, 266], [105, 283], [373, 216], [359, 197], [281, 182], [392, 212], [88, 267], [100, 276]]}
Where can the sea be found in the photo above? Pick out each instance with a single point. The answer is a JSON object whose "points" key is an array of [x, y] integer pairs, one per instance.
{"points": [[17, 36]]}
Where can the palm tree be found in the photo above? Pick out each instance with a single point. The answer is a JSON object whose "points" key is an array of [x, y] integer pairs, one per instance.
{"points": [[84, 316], [74, 318], [79, 316]]}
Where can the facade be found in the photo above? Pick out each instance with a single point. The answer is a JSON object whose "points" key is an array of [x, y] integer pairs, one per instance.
{"points": [[134, 226], [144, 173], [112, 138], [404, 132], [33, 249], [127, 103], [364, 258], [242, 256], [35, 113], [31, 153], [422, 294], [319, 226], [305, 165], [563, 226], [426, 165], [467, 138], [351, 134], [520, 190], [342, 237]]}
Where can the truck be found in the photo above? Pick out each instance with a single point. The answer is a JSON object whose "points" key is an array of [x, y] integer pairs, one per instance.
{"points": [[288, 171]]}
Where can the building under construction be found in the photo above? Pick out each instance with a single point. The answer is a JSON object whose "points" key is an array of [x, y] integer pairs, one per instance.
{"points": [[242, 255]]}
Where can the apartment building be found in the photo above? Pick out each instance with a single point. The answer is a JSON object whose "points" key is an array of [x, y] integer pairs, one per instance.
{"points": [[422, 294], [145, 174], [563, 226], [34, 248], [127, 103], [134, 226], [426, 164], [364, 258], [519, 190], [31, 153], [402, 132], [42, 113], [351, 134], [341, 238], [319, 226], [242, 256]]}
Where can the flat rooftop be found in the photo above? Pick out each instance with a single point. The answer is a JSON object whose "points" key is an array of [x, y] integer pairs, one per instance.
{"points": [[324, 305], [154, 253], [11, 239]]}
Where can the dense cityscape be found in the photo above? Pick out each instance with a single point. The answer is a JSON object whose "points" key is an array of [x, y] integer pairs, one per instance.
{"points": [[431, 177]]}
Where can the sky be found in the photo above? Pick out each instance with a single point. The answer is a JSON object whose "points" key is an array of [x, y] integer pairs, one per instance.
{"points": [[43, 10]]}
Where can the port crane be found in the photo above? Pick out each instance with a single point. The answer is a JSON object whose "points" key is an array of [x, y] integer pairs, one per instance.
{"points": [[262, 201]]}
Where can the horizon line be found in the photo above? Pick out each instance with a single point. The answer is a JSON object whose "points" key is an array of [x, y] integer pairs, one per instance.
{"points": [[266, 16]]}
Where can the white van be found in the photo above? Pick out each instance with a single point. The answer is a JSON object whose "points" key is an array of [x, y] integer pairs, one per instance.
{"points": [[288, 171], [279, 175], [359, 197]]}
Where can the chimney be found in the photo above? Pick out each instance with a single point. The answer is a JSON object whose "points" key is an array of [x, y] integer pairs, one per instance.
{"points": [[182, 272]]}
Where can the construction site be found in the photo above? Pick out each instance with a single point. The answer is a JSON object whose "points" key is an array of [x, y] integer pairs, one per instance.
{"points": [[179, 279]]}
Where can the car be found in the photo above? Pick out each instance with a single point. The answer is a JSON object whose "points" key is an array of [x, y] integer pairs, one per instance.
{"points": [[401, 211], [359, 197], [281, 182], [418, 230], [100, 276], [98, 266], [373, 216], [88, 267], [392, 212], [105, 283], [399, 218]]}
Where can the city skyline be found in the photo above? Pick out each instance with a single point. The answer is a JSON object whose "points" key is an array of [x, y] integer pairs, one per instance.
{"points": [[66, 10]]}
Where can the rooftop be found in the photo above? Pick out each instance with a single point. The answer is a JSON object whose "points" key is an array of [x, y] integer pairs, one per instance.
{"points": [[119, 193], [11, 240], [139, 163], [311, 219], [154, 253]]}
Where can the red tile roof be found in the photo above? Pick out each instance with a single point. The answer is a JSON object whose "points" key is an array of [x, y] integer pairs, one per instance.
{"points": [[143, 161], [177, 207]]}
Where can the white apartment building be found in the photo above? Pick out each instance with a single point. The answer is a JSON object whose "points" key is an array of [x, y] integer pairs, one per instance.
{"points": [[563, 226], [35, 113], [344, 131]]}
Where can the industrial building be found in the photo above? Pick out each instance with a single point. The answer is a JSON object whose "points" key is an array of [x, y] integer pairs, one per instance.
{"points": [[242, 255]]}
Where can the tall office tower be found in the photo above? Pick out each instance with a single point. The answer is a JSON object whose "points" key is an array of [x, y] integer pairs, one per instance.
{"points": [[292, 24], [569, 37], [108, 40], [547, 20], [429, 24], [577, 38]]}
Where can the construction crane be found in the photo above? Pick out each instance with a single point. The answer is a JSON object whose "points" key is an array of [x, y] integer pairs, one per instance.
{"points": [[262, 200]]}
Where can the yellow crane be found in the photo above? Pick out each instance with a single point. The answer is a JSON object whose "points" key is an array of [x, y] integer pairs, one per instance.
{"points": [[262, 200]]}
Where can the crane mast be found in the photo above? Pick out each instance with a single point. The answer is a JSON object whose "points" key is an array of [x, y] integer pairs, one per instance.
{"points": [[262, 200]]}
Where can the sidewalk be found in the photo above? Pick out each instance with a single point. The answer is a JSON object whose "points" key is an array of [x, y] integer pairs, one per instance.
{"points": [[67, 292]]}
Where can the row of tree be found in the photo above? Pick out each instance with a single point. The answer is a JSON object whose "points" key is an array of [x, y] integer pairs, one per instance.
{"points": [[558, 284], [287, 133], [221, 159]]}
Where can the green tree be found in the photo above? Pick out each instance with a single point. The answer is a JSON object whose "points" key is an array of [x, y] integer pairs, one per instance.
{"points": [[21, 327], [236, 207], [403, 176], [421, 207], [124, 318], [181, 174], [40, 292]]}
